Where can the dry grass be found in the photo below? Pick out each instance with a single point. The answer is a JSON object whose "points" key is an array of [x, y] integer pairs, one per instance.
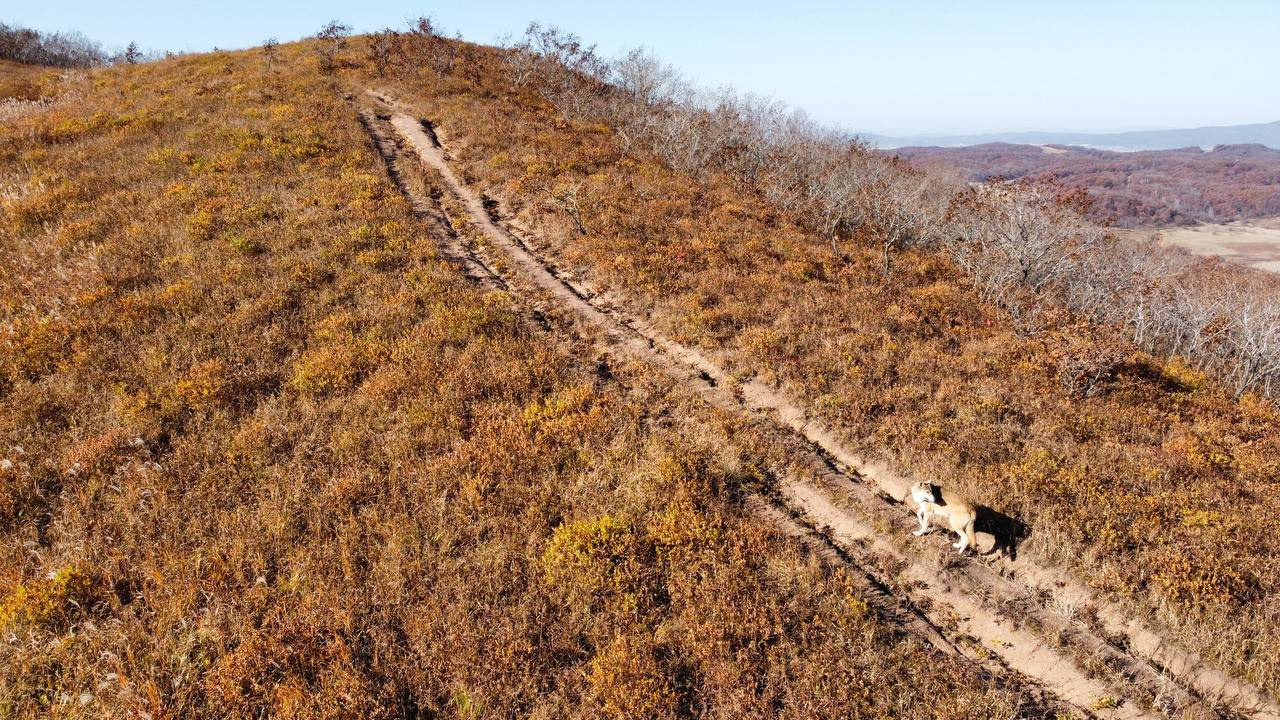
{"points": [[1255, 243], [24, 89], [23, 82], [264, 454], [1150, 489]]}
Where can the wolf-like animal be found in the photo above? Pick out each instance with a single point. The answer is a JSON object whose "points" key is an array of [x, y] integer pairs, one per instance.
{"points": [[960, 512]]}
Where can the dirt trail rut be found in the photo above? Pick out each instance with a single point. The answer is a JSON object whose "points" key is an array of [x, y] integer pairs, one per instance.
{"points": [[455, 251], [1004, 618]]}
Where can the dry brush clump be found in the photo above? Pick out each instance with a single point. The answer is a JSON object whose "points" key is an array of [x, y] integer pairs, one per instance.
{"points": [[263, 453], [1023, 246], [1083, 385]]}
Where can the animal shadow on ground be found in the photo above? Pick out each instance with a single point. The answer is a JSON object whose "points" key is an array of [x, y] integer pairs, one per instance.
{"points": [[1009, 532]]}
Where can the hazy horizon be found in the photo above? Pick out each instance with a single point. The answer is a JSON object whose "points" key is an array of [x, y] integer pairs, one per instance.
{"points": [[1067, 131], [915, 69]]}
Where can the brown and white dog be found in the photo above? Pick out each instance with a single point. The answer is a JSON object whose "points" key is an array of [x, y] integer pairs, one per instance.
{"points": [[959, 511]]}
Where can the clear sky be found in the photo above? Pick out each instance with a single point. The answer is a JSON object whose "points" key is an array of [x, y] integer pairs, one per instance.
{"points": [[888, 66]]}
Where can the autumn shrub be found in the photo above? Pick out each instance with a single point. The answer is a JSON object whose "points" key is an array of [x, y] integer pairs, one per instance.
{"points": [[244, 244], [681, 534], [206, 385], [295, 671], [603, 560], [325, 370], [1086, 364], [35, 348], [52, 603], [20, 84], [629, 682]]}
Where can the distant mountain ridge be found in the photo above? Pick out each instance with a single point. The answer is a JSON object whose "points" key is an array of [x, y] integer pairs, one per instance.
{"points": [[1267, 134]]}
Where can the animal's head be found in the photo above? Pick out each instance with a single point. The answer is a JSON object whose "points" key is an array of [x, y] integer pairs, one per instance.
{"points": [[922, 492]]}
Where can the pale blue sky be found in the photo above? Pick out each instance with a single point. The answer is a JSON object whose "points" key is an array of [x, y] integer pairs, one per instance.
{"points": [[893, 67]]}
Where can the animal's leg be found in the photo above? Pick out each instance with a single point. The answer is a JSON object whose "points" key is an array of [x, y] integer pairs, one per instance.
{"points": [[964, 532], [923, 516]]}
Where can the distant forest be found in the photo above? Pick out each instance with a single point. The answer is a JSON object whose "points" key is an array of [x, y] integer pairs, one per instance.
{"points": [[56, 49], [1151, 188]]}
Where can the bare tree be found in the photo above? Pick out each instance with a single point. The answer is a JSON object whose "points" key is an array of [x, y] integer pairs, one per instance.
{"points": [[833, 196], [270, 52], [332, 41], [747, 125], [1254, 339], [424, 27], [521, 64], [381, 45], [429, 42], [644, 77], [568, 197], [900, 206], [566, 73], [1013, 235]]}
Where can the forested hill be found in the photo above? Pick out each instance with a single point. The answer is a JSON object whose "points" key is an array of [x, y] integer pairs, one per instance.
{"points": [[1133, 189]]}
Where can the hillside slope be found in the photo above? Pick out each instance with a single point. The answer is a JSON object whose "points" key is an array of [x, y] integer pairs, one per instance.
{"points": [[1147, 488], [266, 453], [280, 441]]}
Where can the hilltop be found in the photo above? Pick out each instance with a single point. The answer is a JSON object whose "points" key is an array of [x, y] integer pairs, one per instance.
{"points": [[398, 376]]}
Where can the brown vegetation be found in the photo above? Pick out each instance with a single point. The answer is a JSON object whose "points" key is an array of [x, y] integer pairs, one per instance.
{"points": [[1128, 461], [20, 82], [265, 454]]}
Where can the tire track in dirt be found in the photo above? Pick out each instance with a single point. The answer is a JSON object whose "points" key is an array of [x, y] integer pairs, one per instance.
{"points": [[454, 250], [1023, 650]]}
